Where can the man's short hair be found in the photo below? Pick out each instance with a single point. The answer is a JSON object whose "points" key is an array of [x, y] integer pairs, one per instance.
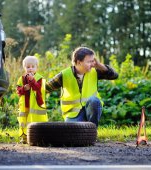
{"points": [[80, 53]]}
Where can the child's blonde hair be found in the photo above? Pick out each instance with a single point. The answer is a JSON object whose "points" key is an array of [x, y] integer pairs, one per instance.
{"points": [[30, 60]]}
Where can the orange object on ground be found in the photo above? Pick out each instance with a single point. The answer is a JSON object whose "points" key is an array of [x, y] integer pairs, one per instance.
{"points": [[142, 139]]}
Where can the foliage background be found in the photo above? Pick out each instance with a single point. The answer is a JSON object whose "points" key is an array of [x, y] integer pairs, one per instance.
{"points": [[119, 32], [109, 27]]}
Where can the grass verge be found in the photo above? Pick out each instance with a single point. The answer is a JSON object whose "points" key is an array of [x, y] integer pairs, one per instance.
{"points": [[105, 134], [122, 134], [9, 135]]}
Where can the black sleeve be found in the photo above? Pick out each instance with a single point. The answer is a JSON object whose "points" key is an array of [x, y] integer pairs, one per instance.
{"points": [[110, 74], [54, 83]]}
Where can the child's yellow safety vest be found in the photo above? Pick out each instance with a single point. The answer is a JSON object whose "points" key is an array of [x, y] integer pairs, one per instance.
{"points": [[36, 113]]}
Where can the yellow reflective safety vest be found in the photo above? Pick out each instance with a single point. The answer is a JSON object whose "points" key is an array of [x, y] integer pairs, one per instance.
{"points": [[35, 113], [72, 99]]}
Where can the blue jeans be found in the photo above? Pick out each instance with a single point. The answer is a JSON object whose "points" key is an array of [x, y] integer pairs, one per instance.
{"points": [[91, 112]]}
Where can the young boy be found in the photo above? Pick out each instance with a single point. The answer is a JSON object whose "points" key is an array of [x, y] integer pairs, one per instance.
{"points": [[31, 91]]}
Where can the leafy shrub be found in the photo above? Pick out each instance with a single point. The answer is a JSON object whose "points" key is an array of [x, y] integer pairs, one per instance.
{"points": [[123, 98], [123, 103], [49, 65]]}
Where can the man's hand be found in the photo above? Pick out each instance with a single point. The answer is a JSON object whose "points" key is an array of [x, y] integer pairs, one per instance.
{"points": [[99, 66], [26, 87], [96, 63]]}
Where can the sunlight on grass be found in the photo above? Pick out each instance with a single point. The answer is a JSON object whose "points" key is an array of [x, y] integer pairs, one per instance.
{"points": [[105, 134], [123, 134], [9, 135]]}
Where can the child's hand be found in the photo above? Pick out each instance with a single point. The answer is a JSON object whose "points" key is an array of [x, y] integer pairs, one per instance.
{"points": [[30, 76], [26, 87]]}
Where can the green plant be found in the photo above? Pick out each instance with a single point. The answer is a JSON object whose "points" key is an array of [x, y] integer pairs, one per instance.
{"points": [[114, 63], [123, 98], [9, 135], [123, 102], [7, 116], [104, 134]]}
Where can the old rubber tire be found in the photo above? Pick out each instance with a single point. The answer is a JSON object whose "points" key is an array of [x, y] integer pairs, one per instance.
{"points": [[61, 134]]}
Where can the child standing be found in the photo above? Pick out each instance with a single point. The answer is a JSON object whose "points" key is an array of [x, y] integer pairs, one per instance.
{"points": [[31, 91]]}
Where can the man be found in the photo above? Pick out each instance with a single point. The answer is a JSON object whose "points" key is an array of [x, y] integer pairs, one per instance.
{"points": [[80, 100]]}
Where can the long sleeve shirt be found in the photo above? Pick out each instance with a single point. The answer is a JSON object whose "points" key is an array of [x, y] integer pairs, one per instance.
{"points": [[36, 86], [56, 82]]}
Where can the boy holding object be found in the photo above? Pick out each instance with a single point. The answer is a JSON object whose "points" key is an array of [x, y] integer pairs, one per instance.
{"points": [[31, 91]]}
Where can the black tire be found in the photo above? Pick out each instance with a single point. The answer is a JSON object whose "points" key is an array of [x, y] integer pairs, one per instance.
{"points": [[61, 134]]}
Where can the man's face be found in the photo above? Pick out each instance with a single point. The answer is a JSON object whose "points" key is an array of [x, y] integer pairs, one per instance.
{"points": [[87, 63]]}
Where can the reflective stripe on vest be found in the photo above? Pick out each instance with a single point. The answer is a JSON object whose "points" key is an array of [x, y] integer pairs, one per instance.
{"points": [[77, 110], [72, 98], [36, 113], [22, 114], [23, 125], [33, 102], [33, 111], [77, 101]]}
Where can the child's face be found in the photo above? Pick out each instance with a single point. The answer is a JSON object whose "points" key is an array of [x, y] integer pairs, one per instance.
{"points": [[30, 68]]}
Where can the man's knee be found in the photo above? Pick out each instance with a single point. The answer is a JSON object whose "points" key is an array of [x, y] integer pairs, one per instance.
{"points": [[94, 100]]}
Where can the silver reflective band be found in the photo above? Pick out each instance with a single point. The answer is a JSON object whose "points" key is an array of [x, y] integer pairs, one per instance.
{"points": [[77, 101], [22, 125], [70, 102], [40, 112], [22, 114], [73, 110]]}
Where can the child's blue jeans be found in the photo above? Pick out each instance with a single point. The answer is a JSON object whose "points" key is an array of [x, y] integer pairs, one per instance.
{"points": [[90, 112]]}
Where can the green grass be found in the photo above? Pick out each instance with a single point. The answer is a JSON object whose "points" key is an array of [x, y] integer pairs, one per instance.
{"points": [[9, 135], [122, 134], [105, 134]]}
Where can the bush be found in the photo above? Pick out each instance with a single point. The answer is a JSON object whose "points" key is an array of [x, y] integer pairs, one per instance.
{"points": [[123, 98]]}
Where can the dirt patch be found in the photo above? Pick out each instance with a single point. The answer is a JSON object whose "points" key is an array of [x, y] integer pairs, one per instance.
{"points": [[111, 153]]}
